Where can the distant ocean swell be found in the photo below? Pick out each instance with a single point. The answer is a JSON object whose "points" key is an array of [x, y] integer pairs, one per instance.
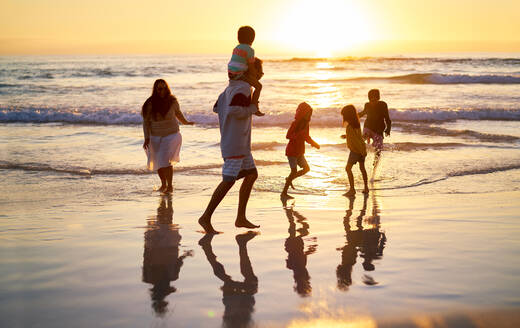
{"points": [[329, 117], [476, 61], [433, 78], [427, 78], [107, 72]]}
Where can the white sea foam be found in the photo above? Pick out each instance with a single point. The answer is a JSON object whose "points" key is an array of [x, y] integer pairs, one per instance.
{"points": [[326, 117]]}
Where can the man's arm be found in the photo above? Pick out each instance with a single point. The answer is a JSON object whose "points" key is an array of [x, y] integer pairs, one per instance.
{"points": [[241, 106]]}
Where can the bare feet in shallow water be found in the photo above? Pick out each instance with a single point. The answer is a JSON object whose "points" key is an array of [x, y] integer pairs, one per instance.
{"points": [[206, 225], [244, 223]]}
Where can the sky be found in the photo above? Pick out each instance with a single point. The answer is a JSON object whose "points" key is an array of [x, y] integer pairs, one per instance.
{"points": [[283, 27]]}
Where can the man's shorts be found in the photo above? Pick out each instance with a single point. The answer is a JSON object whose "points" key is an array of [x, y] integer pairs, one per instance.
{"points": [[237, 168], [377, 139], [354, 158], [295, 161]]}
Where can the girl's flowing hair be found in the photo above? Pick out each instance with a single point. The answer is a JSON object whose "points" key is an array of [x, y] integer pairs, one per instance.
{"points": [[350, 116], [159, 105]]}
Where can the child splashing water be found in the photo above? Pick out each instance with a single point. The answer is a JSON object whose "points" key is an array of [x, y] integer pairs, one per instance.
{"points": [[377, 122], [356, 145], [298, 134]]}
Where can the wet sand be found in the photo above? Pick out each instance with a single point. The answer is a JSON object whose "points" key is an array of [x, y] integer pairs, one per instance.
{"points": [[386, 260]]}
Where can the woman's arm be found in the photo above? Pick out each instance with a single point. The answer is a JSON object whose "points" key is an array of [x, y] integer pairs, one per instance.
{"points": [[179, 115], [146, 125]]}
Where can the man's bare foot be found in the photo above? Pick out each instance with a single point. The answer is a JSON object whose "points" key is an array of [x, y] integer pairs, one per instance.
{"points": [[284, 195], [168, 190], [243, 238], [205, 223], [244, 223], [351, 192], [258, 113]]}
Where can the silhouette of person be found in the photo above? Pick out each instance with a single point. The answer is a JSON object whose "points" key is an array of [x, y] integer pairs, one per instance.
{"points": [[237, 296], [350, 250], [296, 253], [368, 242], [161, 260], [374, 242]]}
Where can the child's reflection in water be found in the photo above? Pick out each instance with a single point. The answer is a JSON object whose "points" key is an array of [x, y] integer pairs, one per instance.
{"points": [[368, 242], [161, 260], [296, 253]]}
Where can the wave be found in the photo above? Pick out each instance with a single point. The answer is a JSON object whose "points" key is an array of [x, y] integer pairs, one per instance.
{"points": [[88, 172], [440, 131], [444, 115], [476, 171], [328, 117], [461, 60], [435, 78], [79, 71]]}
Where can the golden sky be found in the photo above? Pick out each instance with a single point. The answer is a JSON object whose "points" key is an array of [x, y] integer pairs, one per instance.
{"points": [[284, 27]]}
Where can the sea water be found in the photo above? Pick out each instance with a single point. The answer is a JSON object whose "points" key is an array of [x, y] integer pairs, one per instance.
{"points": [[76, 195]]}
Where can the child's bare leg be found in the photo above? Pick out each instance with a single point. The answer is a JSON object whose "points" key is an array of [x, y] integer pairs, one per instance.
{"points": [[352, 190], [256, 94], [303, 171], [288, 182], [364, 174]]}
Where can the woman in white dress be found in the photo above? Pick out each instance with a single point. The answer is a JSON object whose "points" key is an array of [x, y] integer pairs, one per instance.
{"points": [[162, 139]]}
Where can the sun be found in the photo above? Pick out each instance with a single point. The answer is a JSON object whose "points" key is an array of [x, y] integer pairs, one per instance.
{"points": [[324, 28]]}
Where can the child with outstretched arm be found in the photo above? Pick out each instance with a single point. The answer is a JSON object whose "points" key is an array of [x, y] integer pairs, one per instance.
{"points": [[298, 134], [241, 65], [356, 145]]}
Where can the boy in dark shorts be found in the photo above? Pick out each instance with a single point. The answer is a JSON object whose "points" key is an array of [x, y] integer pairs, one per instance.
{"points": [[377, 122]]}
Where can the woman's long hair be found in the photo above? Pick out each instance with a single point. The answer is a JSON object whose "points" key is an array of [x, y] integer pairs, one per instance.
{"points": [[160, 105], [350, 116]]}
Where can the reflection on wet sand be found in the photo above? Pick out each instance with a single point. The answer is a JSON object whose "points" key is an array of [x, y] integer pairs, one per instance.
{"points": [[161, 260], [237, 296], [296, 253], [368, 241]]}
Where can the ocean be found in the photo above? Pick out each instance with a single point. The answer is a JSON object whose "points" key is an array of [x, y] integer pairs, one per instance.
{"points": [[76, 192], [447, 113]]}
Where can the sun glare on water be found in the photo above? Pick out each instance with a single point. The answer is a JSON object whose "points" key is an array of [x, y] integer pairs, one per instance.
{"points": [[324, 28]]}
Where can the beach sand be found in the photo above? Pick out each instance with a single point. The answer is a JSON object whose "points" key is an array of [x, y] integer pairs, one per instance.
{"points": [[387, 260]]}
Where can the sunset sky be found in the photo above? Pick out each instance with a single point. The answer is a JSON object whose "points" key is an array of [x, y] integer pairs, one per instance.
{"points": [[284, 27]]}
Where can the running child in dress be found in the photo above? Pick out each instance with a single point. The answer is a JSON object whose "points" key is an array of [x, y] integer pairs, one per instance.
{"points": [[298, 134], [241, 65], [356, 144]]}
